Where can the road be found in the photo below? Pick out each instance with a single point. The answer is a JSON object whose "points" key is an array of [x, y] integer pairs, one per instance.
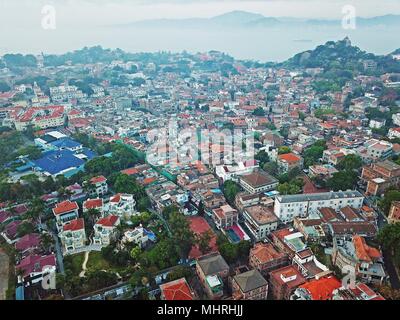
{"points": [[57, 244], [4, 265]]}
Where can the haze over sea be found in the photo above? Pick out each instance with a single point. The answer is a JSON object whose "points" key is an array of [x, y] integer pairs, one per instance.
{"points": [[116, 24]]}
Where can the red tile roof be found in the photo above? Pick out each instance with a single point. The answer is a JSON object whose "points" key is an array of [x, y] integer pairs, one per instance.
{"points": [[36, 263], [265, 252], [130, 171], [75, 225], [322, 289], [176, 290], [108, 221], [148, 181], [28, 241], [93, 203], [65, 206], [363, 251], [98, 179], [116, 198], [289, 157]]}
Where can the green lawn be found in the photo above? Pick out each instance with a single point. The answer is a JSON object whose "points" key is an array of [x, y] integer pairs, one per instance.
{"points": [[97, 262], [74, 263]]}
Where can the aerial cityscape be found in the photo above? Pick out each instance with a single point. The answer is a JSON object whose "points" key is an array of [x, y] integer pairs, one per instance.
{"points": [[199, 175]]}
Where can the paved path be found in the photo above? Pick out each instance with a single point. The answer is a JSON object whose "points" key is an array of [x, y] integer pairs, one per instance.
{"points": [[82, 274], [4, 265]]}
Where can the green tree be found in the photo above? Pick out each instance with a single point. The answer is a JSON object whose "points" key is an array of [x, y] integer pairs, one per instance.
{"points": [[259, 112], [135, 253], [230, 189], [284, 150], [25, 228], [47, 241], [272, 168], [313, 153], [389, 197], [201, 209], [180, 272], [389, 238], [342, 180], [350, 162], [288, 188], [182, 235], [203, 241], [262, 157]]}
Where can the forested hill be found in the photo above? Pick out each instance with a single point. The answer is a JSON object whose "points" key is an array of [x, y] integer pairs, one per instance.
{"points": [[342, 55]]}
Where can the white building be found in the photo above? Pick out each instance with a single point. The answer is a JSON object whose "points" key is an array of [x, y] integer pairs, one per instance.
{"points": [[65, 212], [260, 221], [378, 149], [232, 172], [105, 230], [396, 119], [73, 235], [301, 205], [99, 186], [34, 268], [394, 133], [122, 205], [377, 123], [138, 236]]}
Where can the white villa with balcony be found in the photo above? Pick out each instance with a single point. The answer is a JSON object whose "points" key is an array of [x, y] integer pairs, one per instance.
{"points": [[122, 205], [105, 230], [73, 235], [65, 212]]}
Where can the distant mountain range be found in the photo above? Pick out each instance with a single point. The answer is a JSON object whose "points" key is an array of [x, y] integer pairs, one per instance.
{"points": [[243, 19]]}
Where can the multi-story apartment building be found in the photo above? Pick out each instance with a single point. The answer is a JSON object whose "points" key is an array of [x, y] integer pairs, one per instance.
{"points": [[258, 182], [284, 281], [42, 117], [225, 217], [96, 204], [65, 212], [249, 285], [105, 230], [265, 258], [212, 271], [378, 149], [366, 261], [122, 205], [99, 186], [381, 176], [260, 221], [73, 235], [289, 161], [288, 207]]}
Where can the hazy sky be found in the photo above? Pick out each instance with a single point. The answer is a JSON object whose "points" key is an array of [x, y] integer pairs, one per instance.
{"points": [[82, 23], [74, 13]]}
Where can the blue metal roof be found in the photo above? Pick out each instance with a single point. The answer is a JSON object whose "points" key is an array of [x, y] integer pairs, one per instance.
{"points": [[66, 143], [54, 162]]}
